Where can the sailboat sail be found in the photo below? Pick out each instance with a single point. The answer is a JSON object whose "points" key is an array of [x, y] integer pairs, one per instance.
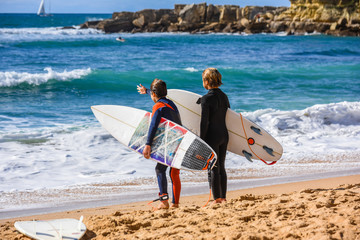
{"points": [[41, 10]]}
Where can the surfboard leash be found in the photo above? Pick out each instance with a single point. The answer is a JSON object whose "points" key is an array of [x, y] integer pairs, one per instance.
{"points": [[242, 122], [208, 199], [163, 197]]}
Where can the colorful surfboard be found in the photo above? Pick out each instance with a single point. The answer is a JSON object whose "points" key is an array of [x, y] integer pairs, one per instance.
{"points": [[173, 145]]}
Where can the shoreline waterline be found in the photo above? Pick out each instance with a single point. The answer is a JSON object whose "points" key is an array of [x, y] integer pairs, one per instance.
{"points": [[187, 190]]}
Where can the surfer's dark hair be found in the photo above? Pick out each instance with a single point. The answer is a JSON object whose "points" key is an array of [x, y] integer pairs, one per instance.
{"points": [[212, 76], [158, 87]]}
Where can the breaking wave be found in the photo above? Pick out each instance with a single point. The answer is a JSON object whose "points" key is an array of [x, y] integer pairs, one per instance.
{"points": [[11, 79]]}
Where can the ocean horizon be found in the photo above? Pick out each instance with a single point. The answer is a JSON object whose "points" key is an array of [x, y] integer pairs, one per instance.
{"points": [[304, 90]]}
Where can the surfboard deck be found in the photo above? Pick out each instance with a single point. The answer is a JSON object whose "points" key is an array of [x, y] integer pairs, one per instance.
{"points": [[245, 137], [173, 145], [66, 228]]}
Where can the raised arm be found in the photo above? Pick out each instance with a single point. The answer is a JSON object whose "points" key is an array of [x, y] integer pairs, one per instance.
{"points": [[142, 90]]}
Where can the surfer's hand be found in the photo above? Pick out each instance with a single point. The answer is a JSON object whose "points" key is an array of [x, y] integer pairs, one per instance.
{"points": [[147, 151], [141, 89]]}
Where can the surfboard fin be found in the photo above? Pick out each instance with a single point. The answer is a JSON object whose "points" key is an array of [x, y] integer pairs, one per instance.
{"points": [[268, 150], [198, 101], [247, 155], [80, 222], [255, 129]]}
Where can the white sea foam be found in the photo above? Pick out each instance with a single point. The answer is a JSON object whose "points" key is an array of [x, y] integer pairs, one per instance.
{"points": [[83, 156], [191, 69], [318, 132], [317, 139], [9, 79], [48, 31], [94, 19], [335, 120], [46, 34]]}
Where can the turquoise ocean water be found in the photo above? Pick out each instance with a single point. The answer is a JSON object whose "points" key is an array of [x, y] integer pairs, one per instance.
{"points": [[305, 90]]}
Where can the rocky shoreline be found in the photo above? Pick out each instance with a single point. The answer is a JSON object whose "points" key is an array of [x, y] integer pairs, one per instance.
{"points": [[331, 17]]}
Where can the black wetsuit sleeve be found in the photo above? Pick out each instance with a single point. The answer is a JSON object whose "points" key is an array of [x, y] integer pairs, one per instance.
{"points": [[205, 114]]}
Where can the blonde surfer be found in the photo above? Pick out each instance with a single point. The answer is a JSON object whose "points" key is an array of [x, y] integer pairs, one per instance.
{"points": [[213, 130]]}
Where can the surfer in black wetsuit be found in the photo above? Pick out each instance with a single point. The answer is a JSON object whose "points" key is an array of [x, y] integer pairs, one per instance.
{"points": [[213, 130], [167, 109], [120, 39]]}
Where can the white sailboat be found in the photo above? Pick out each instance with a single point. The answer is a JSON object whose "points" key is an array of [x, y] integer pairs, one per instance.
{"points": [[41, 11]]}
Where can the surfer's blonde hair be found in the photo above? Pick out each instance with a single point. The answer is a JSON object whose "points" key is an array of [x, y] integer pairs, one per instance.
{"points": [[212, 76]]}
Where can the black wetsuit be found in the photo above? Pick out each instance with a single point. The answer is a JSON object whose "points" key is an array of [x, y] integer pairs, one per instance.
{"points": [[214, 132]]}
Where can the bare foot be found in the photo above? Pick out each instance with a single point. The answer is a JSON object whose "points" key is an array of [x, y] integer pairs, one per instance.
{"points": [[223, 200], [162, 205], [174, 205], [216, 201]]}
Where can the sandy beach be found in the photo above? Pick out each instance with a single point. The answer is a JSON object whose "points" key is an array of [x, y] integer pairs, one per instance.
{"points": [[317, 209]]}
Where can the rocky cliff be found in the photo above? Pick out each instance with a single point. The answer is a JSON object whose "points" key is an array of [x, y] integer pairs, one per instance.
{"points": [[335, 17]]}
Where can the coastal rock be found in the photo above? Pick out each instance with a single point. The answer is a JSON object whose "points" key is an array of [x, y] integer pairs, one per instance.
{"points": [[190, 27], [278, 26], [257, 27], [213, 27], [228, 14], [239, 27], [251, 12], [144, 17], [155, 27], [178, 8], [193, 14], [113, 26], [212, 14], [139, 22], [244, 22], [321, 10], [68, 27], [173, 28], [334, 17], [154, 18], [229, 28], [168, 19], [120, 22], [148, 15], [123, 16], [323, 27], [160, 13], [269, 16], [326, 14], [355, 17], [352, 30], [89, 24]]}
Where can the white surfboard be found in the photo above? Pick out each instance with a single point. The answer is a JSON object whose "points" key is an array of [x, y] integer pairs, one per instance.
{"points": [[58, 229], [245, 137], [173, 145]]}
